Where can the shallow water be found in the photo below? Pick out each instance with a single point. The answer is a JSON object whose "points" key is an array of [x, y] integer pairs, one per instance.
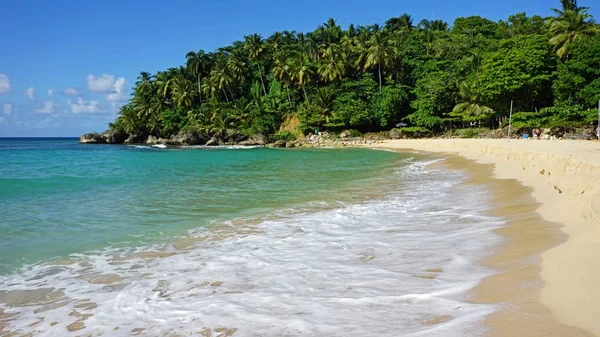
{"points": [[302, 242]]}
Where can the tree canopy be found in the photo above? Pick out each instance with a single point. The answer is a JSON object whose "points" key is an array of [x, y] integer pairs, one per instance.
{"points": [[433, 75]]}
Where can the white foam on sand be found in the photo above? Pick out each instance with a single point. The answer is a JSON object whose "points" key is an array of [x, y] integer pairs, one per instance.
{"points": [[397, 266]]}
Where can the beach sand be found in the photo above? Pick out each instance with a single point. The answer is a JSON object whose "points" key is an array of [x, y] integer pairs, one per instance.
{"points": [[548, 279]]}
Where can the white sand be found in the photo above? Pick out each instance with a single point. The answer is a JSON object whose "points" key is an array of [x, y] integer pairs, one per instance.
{"points": [[565, 177]]}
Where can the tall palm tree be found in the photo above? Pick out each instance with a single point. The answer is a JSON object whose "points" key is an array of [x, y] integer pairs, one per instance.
{"points": [[324, 98], [332, 65], [404, 23], [470, 108], [183, 92], [196, 62], [571, 23], [143, 85], [219, 75], [282, 70], [433, 25], [379, 50], [302, 71], [254, 47]]}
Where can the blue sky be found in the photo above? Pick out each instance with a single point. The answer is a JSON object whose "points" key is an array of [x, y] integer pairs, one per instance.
{"points": [[66, 66]]}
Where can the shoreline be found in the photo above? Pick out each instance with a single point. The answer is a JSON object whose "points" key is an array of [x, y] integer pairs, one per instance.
{"points": [[545, 189]]}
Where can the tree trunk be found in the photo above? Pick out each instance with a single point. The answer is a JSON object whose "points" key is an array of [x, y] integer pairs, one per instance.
{"points": [[288, 94], [225, 92], [379, 66], [232, 98], [199, 89], [305, 95], [261, 80]]}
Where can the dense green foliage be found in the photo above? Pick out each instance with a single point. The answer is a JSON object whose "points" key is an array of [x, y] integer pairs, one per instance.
{"points": [[432, 76]]}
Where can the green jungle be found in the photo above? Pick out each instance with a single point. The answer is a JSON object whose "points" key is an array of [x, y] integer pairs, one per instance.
{"points": [[425, 77]]}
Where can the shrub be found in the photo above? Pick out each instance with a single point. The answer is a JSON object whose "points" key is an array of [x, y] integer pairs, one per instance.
{"points": [[470, 133], [285, 135]]}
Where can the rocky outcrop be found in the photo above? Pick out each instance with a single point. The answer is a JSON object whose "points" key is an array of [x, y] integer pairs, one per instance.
{"points": [[185, 139], [255, 140], [134, 139], [92, 138], [113, 137], [214, 141]]}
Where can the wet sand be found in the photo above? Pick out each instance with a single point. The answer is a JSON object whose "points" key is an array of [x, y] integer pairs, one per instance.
{"points": [[546, 266]]}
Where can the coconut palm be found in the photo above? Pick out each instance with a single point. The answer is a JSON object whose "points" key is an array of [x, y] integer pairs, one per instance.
{"points": [[254, 47], [571, 23], [332, 65], [183, 92], [302, 71], [282, 70], [470, 108], [196, 63], [404, 23], [379, 51]]}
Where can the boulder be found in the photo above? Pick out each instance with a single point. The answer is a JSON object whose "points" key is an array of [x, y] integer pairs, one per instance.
{"points": [[113, 137], [151, 140], [345, 134], [162, 141], [185, 139], [92, 138], [290, 144], [257, 139], [279, 143], [134, 139], [214, 141]]}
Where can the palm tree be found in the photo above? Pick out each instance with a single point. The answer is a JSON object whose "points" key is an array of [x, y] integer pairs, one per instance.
{"points": [[470, 108], [572, 22], [332, 65], [254, 48], [302, 71], [219, 75], [183, 92], [324, 98], [403, 23], [196, 62], [433, 25], [143, 85], [282, 71], [379, 51]]}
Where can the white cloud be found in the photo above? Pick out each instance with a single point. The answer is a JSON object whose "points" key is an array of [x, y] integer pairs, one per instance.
{"points": [[71, 92], [118, 94], [85, 107], [7, 108], [50, 92], [47, 108], [30, 93], [102, 83], [2, 120], [43, 123], [4, 84]]}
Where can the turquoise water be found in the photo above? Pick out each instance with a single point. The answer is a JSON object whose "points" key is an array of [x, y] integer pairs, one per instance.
{"points": [[58, 197]]}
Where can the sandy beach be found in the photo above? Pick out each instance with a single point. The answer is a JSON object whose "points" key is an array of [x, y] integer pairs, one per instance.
{"points": [[549, 267]]}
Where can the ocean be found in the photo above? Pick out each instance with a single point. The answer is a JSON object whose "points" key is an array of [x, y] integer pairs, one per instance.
{"points": [[107, 240]]}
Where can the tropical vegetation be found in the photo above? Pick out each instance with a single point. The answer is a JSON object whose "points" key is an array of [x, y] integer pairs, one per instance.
{"points": [[429, 76]]}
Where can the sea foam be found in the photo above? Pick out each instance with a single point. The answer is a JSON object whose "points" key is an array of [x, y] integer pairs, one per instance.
{"points": [[400, 264]]}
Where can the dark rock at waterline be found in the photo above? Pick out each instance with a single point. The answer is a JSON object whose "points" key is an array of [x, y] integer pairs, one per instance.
{"points": [[254, 140], [214, 141], [279, 143], [185, 139], [135, 139], [112, 137], [92, 138]]}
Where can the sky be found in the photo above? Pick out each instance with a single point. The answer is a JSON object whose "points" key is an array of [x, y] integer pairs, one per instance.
{"points": [[67, 66]]}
